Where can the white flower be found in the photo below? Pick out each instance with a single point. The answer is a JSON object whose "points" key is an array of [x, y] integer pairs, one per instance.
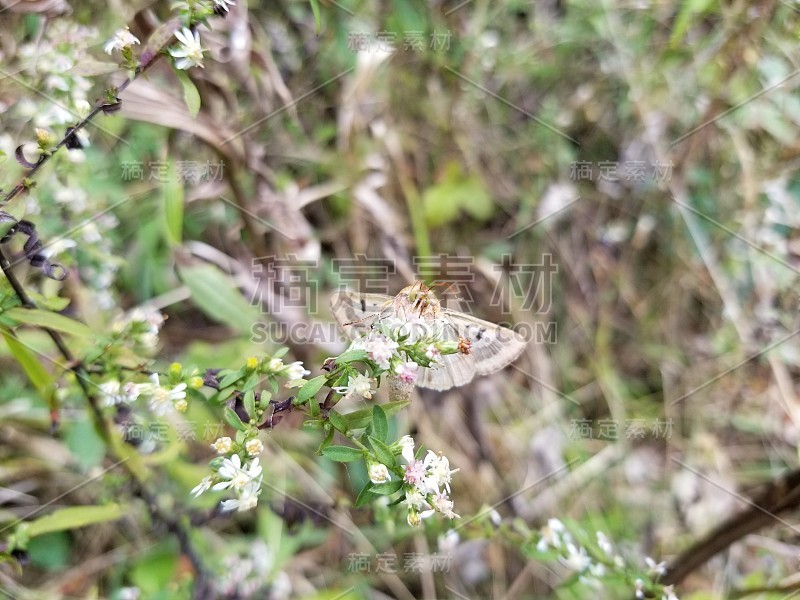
{"points": [[552, 535], [444, 505], [439, 472], [576, 558], [201, 487], [151, 318], [237, 475], [58, 246], [116, 393], [407, 444], [639, 585], [295, 371], [669, 593], [378, 473], [380, 350], [129, 593], [597, 569], [161, 399], [407, 372], [221, 6], [415, 499], [248, 497], [275, 364], [190, 52], [223, 445], [604, 544], [360, 385], [254, 447], [659, 569], [433, 353], [123, 38]]}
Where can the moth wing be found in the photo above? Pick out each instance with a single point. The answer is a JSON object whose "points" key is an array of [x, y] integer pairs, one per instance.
{"points": [[452, 370], [493, 346], [355, 312]]}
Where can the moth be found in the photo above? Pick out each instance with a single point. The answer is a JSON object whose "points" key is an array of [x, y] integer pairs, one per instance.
{"points": [[491, 347]]}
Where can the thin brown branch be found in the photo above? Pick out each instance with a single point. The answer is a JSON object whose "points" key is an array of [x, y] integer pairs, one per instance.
{"points": [[779, 496]]}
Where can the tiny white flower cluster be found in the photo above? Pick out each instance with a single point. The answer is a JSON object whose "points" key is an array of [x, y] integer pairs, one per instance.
{"points": [[427, 483], [359, 385], [590, 565], [399, 347], [163, 400], [252, 574], [141, 327], [49, 65], [294, 372], [122, 39], [244, 479]]}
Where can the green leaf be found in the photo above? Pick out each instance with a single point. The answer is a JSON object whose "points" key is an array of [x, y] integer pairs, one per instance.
{"points": [[382, 451], [351, 356], [358, 419], [50, 551], [317, 18], [215, 293], [250, 403], [310, 388], [36, 373], [337, 420], [364, 495], [74, 517], [327, 441], [380, 424], [50, 320], [231, 378], [85, 443], [190, 94], [342, 453], [232, 419], [388, 488], [173, 207], [454, 192]]}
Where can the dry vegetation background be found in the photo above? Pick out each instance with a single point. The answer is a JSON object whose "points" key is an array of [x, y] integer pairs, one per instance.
{"points": [[675, 297]]}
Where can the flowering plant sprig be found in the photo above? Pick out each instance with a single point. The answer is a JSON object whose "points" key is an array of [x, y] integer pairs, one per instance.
{"points": [[594, 562], [395, 349]]}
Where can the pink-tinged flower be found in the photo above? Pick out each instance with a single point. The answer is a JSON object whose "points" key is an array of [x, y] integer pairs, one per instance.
{"points": [[380, 350], [415, 473], [407, 372], [444, 505], [433, 353]]}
